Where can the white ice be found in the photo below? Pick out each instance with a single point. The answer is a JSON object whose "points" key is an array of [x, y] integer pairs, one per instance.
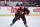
{"points": [[32, 21]]}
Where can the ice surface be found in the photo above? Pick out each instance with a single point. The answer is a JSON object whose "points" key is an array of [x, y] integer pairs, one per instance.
{"points": [[32, 21]]}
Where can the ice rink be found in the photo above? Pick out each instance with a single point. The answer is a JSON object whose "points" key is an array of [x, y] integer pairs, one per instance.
{"points": [[32, 21]]}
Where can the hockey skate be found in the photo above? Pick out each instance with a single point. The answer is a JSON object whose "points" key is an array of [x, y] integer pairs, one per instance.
{"points": [[11, 24], [26, 26]]}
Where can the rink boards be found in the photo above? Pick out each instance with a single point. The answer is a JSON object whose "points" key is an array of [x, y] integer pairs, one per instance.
{"points": [[7, 11]]}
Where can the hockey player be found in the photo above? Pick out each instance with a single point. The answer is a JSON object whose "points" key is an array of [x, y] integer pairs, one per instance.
{"points": [[20, 14]]}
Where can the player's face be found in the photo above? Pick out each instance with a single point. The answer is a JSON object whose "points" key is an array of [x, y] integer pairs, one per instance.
{"points": [[22, 7]]}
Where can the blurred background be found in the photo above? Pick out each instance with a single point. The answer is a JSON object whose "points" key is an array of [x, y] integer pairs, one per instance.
{"points": [[20, 2]]}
